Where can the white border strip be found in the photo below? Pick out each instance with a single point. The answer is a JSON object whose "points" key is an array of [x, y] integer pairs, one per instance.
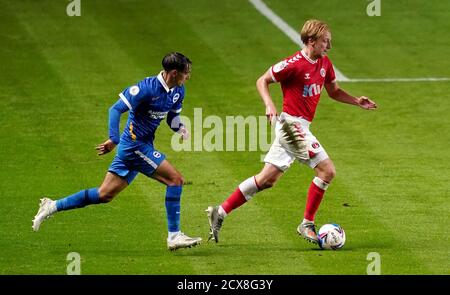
{"points": [[146, 159], [431, 79], [125, 100], [295, 37]]}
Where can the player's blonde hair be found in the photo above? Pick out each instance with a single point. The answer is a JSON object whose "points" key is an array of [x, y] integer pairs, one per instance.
{"points": [[313, 29]]}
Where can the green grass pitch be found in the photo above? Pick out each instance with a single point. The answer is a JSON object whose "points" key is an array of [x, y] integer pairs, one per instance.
{"points": [[59, 75]]}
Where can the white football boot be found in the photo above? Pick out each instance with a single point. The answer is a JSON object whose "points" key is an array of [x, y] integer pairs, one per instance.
{"points": [[215, 222], [182, 241], [47, 207]]}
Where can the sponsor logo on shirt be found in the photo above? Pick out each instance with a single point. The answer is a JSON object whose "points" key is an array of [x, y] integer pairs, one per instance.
{"points": [[312, 90], [157, 115]]}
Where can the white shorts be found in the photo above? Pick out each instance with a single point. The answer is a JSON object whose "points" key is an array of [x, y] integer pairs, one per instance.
{"points": [[281, 158]]}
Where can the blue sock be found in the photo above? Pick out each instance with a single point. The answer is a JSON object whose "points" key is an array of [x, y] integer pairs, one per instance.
{"points": [[78, 200], [173, 196]]}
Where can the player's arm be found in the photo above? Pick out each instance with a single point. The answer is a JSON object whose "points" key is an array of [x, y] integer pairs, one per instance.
{"points": [[262, 85], [114, 121], [338, 94], [174, 122]]}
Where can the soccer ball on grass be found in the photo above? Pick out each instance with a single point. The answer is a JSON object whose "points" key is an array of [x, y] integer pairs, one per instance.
{"points": [[331, 236]]}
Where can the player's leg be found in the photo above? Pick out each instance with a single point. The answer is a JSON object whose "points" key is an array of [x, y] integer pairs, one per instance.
{"points": [[243, 193], [168, 175], [112, 185], [277, 161], [117, 178], [325, 172]]}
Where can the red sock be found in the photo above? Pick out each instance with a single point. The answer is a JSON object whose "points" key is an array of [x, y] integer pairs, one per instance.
{"points": [[234, 201], [242, 194], [315, 195]]}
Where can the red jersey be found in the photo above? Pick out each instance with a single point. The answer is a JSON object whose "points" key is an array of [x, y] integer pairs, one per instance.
{"points": [[302, 81]]}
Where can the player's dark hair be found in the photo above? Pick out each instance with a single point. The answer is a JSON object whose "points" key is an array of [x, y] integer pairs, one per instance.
{"points": [[176, 61]]}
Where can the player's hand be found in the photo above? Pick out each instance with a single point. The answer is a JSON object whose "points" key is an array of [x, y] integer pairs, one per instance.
{"points": [[105, 147], [271, 114], [366, 103], [183, 132]]}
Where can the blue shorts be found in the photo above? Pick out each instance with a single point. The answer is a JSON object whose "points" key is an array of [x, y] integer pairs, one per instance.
{"points": [[129, 161]]}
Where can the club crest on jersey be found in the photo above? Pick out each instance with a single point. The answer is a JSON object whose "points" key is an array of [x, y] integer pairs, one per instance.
{"points": [[156, 154], [134, 90], [279, 66], [176, 97], [307, 76], [322, 72]]}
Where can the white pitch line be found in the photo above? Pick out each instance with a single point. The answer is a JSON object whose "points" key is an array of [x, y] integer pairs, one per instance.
{"points": [[295, 37], [424, 79]]}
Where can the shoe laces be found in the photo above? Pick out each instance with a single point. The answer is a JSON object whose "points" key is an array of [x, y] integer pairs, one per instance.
{"points": [[310, 226]]}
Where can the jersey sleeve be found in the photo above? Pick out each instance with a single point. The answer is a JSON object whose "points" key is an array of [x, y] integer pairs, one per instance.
{"points": [[173, 117], [178, 105], [281, 71], [114, 120], [330, 75], [134, 95]]}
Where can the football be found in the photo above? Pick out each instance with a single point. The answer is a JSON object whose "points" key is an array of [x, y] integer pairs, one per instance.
{"points": [[331, 236]]}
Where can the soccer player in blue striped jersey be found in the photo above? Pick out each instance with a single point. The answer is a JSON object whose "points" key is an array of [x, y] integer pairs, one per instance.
{"points": [[148, 103]]}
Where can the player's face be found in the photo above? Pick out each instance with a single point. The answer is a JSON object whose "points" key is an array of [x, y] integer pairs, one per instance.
{"points": [[181, 77], [322, 45]]}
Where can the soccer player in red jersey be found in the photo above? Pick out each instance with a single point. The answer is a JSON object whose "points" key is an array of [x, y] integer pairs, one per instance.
{"points": [[302, 77]]}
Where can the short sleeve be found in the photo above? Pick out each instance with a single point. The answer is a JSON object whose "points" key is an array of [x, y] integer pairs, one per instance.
{"points": [[134, 95], [178, 104], [281, 71]]}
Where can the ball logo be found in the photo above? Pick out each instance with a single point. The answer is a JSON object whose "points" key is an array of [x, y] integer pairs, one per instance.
{"points": [[322, 72], [156, 154], [134, 90], [176, 97]]}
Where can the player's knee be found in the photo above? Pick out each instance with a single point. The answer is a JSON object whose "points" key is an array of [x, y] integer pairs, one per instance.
{"points": [[267, 183], [329, 174], [176, 180], [105, 196]]}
